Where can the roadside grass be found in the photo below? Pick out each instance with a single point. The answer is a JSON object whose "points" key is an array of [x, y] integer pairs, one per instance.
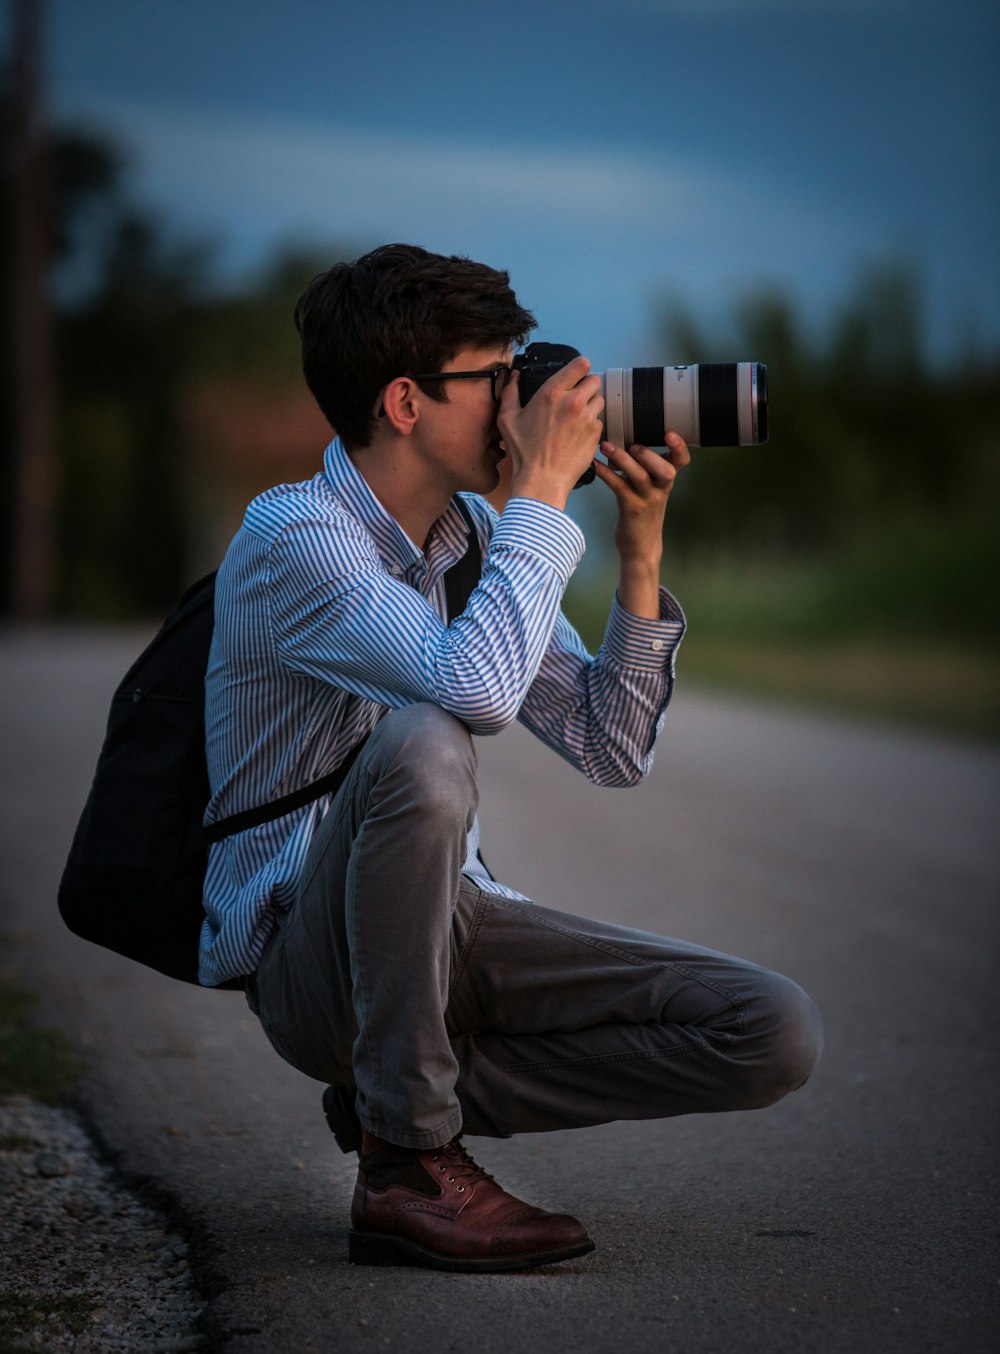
{"points": [[17, 1142], [21, 1314], [34, 1061], [904, 626], [956, 691]]}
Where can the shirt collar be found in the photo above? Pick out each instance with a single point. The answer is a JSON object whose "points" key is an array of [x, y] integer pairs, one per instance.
{"points": [[449, 535]]}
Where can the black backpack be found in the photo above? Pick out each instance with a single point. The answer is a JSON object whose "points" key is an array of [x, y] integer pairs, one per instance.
{"points": [[135, 874]]}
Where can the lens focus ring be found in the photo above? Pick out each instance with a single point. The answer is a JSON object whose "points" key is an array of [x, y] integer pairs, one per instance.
{"points": [[718, 404]]}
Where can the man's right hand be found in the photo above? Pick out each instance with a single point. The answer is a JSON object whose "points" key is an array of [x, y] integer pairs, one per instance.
{"points": [[552, 440]]}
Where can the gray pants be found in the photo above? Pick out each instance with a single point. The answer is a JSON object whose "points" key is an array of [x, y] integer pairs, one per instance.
{"points": [[452, 1008]]}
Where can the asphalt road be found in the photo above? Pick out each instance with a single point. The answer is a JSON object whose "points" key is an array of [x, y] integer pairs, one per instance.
{"points": [[858, 1215]]}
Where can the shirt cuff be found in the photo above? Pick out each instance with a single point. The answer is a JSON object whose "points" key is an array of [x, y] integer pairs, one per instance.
{"points": [[528, 525], [635, 642]]}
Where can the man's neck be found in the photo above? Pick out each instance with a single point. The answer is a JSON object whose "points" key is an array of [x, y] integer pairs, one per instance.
{"points": [[401, 488]]}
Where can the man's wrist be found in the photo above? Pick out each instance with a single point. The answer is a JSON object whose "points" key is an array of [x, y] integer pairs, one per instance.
{"points": [[641, 568], [544, 488]]}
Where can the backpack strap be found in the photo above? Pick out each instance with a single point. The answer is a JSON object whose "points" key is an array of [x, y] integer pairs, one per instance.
{"points": [[277, 808], [459, 582], [465, 573]]}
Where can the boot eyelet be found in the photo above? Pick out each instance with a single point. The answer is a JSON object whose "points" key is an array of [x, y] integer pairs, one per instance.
{"points": [[460, 1190], [442, 1169], [451, 1180]]}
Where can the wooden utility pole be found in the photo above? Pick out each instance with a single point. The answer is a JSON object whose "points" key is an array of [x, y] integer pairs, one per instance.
{"points": [[33, 562]]}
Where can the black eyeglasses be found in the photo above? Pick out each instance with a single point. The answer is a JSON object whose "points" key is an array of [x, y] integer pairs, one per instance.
{"points": [[498, 377]]}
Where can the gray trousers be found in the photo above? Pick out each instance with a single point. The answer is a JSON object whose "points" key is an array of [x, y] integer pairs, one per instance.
{"points": [[451, 1008]]}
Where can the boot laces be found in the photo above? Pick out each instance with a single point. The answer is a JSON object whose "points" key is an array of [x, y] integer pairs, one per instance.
{"points": [[453, 1159]]}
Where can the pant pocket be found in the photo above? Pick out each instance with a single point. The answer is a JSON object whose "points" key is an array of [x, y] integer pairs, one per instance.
{"points": [[470, 912]]}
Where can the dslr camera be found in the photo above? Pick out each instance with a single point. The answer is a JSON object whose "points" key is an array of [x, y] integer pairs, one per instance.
{"points": [[711, 404]]}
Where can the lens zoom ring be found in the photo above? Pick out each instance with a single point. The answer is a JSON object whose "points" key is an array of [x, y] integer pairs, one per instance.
{"points": [[647, 406]]}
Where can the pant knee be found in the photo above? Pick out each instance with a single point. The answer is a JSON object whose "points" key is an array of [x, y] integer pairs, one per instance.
{"points": [[783, 1043], [431, 752]]}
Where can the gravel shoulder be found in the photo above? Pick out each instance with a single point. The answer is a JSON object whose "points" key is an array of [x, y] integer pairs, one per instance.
{"points": [[88, 1265]]}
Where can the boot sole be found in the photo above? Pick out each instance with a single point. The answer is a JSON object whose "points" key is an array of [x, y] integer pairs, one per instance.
{"points": [[374, 1248]]}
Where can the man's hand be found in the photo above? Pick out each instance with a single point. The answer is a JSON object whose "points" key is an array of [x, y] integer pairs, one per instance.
{"points": [[552, 440], [641, 481]]}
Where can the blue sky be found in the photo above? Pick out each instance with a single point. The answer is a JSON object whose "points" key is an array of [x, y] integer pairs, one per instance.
{"points": [[610, 153]]}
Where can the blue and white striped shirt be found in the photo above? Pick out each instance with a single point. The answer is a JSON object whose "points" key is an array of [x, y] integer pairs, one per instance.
{"points": [[327, 615]]}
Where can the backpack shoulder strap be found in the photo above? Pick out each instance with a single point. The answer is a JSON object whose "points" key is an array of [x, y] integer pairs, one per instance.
{"points": [[465, 573]]}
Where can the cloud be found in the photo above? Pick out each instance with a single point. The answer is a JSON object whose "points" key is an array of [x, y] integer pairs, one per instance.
{"points": [[266, 175], [727, 9], [592, 238]]}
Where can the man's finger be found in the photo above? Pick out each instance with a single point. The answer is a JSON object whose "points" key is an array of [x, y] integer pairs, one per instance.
{"points": [[624, 462], [510, 394], [662, 469], [680, 453], [640, 464], [570, 375]]}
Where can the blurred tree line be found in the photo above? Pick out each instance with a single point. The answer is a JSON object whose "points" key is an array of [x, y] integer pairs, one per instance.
{"points": [[169, 390], [862, 429], [881, 464], [156, 372]]}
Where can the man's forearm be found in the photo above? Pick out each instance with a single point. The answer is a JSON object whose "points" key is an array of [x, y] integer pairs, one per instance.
{"points": [[639, 586]]}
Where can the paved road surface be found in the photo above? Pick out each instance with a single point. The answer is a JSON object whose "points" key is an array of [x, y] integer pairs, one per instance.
{"points": [[858, 1215]]}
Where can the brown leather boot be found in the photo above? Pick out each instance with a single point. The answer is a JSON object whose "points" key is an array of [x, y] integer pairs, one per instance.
{"points": [[439, 1209]]}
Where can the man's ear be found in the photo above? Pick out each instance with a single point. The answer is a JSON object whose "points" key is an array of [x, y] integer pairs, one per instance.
{"points": [[400, 405]]}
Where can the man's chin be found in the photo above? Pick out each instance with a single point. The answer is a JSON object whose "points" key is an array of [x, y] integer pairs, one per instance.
{"points": [[489, 471], [494, 479]]}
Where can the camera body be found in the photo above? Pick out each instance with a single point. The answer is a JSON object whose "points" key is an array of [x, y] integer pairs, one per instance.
{"points": [[711, 404], [538, 362]]}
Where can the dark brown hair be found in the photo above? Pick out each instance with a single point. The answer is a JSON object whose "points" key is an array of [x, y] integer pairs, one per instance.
{"points": [[394, 312]]}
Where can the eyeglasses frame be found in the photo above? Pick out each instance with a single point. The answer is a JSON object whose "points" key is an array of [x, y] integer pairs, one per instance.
{"points": [[491, 372]]}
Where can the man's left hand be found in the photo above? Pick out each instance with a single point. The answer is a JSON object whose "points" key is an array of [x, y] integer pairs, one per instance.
{"points": [[641, 480]]}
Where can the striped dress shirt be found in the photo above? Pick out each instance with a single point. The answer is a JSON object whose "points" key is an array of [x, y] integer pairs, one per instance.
{"points": [[327, 615]]}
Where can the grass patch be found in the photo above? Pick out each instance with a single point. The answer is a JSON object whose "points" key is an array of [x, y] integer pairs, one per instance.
{"points": [[34, 1061], [953, 691], [904, 626], [21, 1314], [16, 1142]]}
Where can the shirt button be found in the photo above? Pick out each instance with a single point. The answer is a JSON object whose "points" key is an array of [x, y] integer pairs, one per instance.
{"points": [[657, 645], [395, 570]]}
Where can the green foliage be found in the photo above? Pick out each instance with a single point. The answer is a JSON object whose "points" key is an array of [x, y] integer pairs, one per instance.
{"points": [[17, 1142], [871, 502], [864, 430], [34, 1061], [913, 579], [902, 626], [124, 356], [24, 1313], [250, 332], [138, 323], [853, 560], [149, 331]]}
